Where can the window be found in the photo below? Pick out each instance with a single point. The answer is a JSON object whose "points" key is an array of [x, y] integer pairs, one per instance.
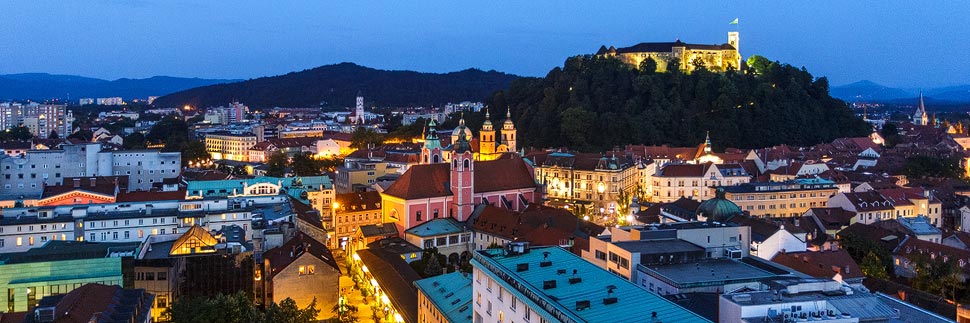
{"points": [[307, 270], [417, 216], [162, 302], [600, 255]]}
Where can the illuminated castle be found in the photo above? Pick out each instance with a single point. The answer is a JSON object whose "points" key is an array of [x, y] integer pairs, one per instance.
{"points": [[713, 57]]}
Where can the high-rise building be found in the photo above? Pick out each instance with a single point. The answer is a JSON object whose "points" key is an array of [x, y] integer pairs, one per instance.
{"points": [[41, 119]]}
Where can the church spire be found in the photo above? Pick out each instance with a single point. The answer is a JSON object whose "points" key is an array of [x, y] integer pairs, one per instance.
{"points": [[707, 143], [920, 116]]}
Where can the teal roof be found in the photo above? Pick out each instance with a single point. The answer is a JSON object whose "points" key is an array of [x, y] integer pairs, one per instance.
{"points": [[226, 187], [436, 227], [718, 209], [564, 297], [451, 294]]}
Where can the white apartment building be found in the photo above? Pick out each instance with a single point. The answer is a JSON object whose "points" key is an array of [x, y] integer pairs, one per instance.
{"points": [[26, 175]]}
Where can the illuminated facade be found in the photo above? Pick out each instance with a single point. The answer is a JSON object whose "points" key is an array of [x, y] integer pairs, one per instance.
{"points": [[713, 57], [674, 181], [229, 146], [40, 119], [589, 179], [781, 199]]}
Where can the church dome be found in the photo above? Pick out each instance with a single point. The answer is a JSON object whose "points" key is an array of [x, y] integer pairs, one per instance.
{"points": [[717, 209]]}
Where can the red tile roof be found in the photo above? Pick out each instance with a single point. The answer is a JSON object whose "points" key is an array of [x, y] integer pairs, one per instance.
{"points": [[97, 303], [105, 185], [684, 170], [821, 264], [912, 245], [869, 201], [433, 180], [539, 225], [143, 196]]}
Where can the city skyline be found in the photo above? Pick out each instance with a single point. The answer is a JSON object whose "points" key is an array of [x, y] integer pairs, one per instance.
{"points": [[845, 42]]}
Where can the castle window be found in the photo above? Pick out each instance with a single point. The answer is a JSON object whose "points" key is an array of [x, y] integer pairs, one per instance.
{"points": [[467, 163], [417, 216], [437, 159]]}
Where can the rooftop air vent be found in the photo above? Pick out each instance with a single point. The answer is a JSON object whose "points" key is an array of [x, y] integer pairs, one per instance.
{"points": [[549, 284], [575, 280], [521, 267], [610, 300], [582, 305], [545, 263]]}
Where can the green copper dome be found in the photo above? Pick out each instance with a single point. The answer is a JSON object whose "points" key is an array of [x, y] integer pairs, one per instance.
{"points": [[717, 209]]}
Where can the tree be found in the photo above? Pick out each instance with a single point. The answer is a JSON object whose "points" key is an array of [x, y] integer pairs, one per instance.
{"points": [[363, 137], [194, 151], [82, 134], [433, 266], [925, 166], [344, 313], [136, 141], [873, 267], [648, 66], [304, 165], [277, 163], [288, 312], [623, 200], [758, 64], [890, 133], [16, 133]]}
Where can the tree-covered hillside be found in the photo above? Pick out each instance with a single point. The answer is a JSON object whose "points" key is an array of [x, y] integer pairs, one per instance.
{"points": [[337, 86], [593, 104]]}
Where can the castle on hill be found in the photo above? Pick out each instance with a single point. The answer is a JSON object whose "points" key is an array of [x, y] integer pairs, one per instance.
{"points": [[717, 58]]}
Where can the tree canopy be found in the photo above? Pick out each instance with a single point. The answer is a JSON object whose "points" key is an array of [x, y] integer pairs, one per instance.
{"points": [[593, 103], [237, 308]]}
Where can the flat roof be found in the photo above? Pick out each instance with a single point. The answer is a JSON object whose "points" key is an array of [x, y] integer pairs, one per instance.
{"points": [[564, 297], [436, 227], [706, 272], [658, 246]]}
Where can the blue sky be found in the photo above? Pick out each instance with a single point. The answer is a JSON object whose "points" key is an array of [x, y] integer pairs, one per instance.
{"points": [[897, 43]]}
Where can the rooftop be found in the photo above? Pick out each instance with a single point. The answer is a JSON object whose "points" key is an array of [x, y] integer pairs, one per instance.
{"points": [[920, 225], [451, 294], [706, 272], [436, 227], [541, 278], [57, 250]]}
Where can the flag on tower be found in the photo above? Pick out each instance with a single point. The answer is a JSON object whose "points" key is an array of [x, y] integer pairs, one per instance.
{"points": [[733, 22]]}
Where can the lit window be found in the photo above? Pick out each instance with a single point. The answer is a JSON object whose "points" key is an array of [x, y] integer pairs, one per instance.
{"points": [[307, 270]]}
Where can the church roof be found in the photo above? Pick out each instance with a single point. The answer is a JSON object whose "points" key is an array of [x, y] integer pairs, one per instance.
{"points": [[433, 180], [718, 209]]}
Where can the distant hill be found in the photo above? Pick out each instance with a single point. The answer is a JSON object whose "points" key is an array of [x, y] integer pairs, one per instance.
{"points": [[337, 85], [595, 104], [43, 86], [868, 91]]}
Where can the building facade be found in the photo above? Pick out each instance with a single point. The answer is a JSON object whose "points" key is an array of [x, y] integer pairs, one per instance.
{"points": [[230, 146], [593, 180], [781, 199], [686, 56]]}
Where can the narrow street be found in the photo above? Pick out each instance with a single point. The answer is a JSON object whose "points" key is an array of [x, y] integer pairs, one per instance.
{"points": [[352, 295]]}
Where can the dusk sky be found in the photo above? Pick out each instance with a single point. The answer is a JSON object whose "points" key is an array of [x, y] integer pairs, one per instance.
{"points": [[897, 43]]}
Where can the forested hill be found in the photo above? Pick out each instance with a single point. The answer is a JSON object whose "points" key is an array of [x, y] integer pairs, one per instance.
{"points": [[337, 85], [594, 104]]}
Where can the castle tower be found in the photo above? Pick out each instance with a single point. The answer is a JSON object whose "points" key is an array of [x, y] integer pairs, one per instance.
{"points": [[920, 117], [431, 152], [508, 131], [487, 137], [359, 111], [734, 41], [462, 179]]}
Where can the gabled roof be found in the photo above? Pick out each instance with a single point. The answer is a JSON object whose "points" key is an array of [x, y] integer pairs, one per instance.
{"points": [[284, 255], [433, 180], [869, 201], [539, 225], [821, 264], [833, 218], [203, 238], [99, 303], [378, 230], [912, 245], [103, 185]]}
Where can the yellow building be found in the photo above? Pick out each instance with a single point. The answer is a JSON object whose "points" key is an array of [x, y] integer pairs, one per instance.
{"points": [[229, 146], [781, 199], [592, 180], [714, 57], [351, 211]]}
